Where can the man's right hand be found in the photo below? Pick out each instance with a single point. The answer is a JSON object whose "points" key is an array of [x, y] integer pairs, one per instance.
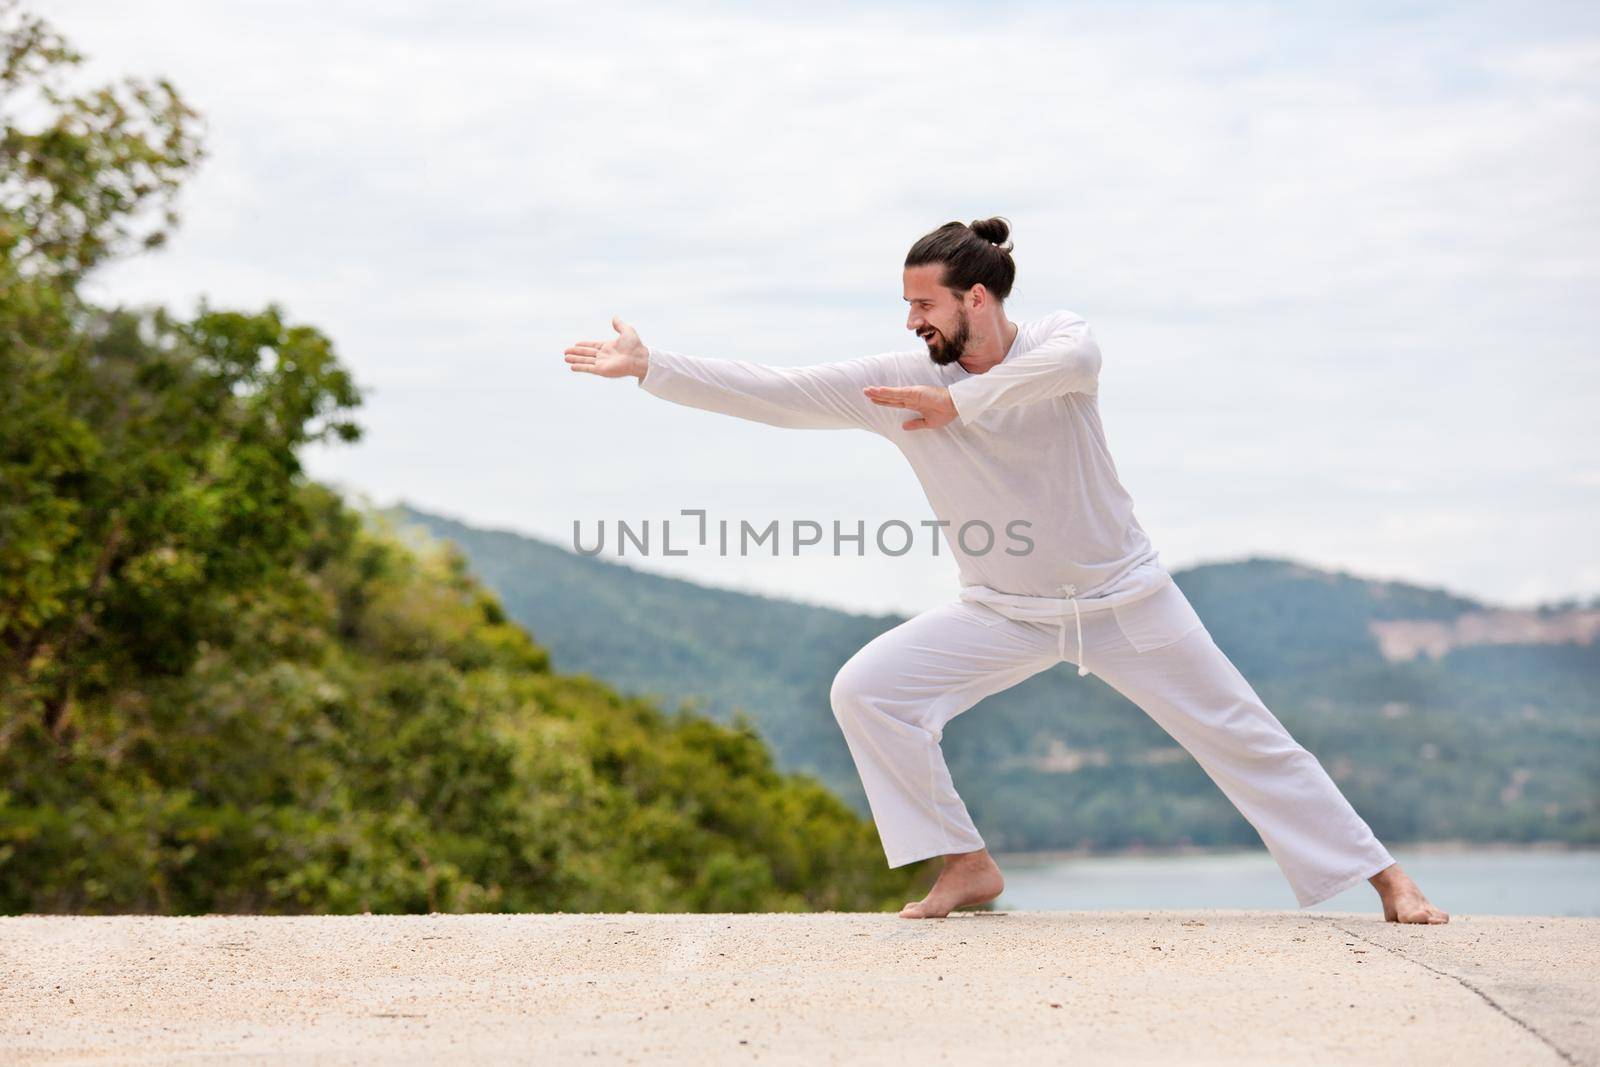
{"points": [[619, 357]]}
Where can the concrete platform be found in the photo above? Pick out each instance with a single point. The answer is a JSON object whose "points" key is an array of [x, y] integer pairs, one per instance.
{"points": [[1009, 987]]}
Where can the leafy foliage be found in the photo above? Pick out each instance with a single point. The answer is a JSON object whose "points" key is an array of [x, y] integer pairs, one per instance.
{"points": [[79, 182], [377, 735]]}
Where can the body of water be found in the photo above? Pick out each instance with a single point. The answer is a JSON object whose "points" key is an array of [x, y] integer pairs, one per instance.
{"points": [[1470, 881]]}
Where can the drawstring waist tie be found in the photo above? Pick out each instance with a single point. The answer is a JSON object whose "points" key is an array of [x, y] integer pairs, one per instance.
{"points": [[1077, 618], [1053, 610]]}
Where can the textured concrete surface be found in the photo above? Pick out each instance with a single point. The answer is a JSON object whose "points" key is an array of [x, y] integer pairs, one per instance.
{"points": [[1011, 987]]}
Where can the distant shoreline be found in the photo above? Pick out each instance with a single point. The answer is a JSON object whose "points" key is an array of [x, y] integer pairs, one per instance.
{"points": [[1435, 847]]}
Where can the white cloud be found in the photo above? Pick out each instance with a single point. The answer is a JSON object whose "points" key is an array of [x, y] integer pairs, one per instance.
{"points": [[1341, 260]]}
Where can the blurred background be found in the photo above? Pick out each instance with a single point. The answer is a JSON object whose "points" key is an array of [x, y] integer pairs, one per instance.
{"points": [[290, 618]]}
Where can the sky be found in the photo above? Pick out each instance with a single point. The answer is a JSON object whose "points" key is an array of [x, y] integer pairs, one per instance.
{"points": [[1342, 259]]}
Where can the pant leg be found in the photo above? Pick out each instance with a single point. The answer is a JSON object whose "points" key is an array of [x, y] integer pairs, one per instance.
{"points": [[1160, 656], [892, 700]]}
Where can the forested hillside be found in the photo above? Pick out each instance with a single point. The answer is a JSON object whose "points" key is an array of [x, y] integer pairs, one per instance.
{"points": [[222, 689]]}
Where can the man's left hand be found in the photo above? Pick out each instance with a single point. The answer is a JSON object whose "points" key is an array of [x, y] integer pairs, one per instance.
{"points": [[931, 403]]}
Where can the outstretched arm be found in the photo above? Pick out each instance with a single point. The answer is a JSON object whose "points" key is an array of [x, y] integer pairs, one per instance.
{"points": [[823, 396]]}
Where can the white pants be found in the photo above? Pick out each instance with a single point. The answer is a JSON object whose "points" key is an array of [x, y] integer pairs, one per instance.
{"points": [[894, 696]]}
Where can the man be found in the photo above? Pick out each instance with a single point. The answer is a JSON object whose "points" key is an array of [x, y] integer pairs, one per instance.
{"points": [[1005, 436]]}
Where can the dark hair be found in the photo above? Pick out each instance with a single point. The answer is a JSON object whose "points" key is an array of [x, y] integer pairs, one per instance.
{"points": [[970, 254]]}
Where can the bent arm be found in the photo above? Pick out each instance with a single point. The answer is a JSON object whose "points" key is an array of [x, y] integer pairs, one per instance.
{"points": [[1066, 361], [822, 396]]}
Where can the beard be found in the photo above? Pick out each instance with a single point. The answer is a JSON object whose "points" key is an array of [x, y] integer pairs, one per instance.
{"points": [[947, 352]]}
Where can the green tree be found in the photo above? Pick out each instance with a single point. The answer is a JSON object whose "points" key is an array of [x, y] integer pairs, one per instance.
{"points": [[138, 454]]}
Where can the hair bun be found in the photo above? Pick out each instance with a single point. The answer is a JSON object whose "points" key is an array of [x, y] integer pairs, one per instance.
{"points": [[994, 230]]}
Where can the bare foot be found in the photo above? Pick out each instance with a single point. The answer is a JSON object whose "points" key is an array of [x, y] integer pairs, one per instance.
{"points": [[968, 878], [1403, 902]]}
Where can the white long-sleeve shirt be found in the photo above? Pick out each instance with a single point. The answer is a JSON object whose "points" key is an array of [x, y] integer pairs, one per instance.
{"points": [[1027, 445]]}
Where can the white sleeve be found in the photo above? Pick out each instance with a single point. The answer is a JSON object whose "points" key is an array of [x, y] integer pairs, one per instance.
{"points": [[821, 396], [1067, 360]]}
